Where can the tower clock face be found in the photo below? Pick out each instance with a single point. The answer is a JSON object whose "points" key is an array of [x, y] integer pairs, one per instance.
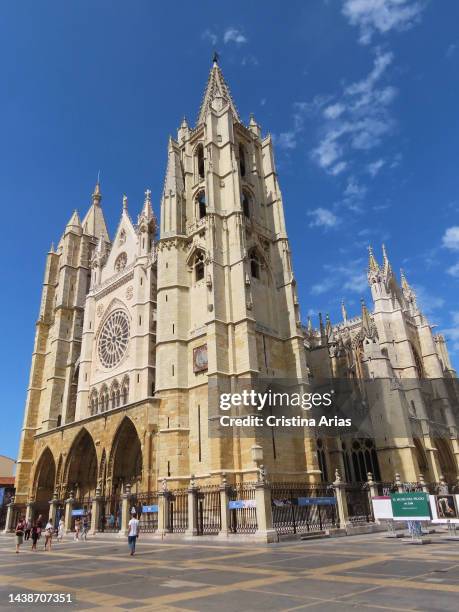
{"points": [[113, 339]]}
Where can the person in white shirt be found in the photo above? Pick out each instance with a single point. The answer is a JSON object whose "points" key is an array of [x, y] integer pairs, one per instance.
{"points": [[133, 533]]}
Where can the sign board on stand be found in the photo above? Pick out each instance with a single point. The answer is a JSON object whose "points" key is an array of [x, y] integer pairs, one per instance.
{"points": [[410, 506]]}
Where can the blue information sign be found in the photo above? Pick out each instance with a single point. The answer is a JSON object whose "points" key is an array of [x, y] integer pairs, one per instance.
{"points": [[316, 501], [149, 509], [78, 512], [237, 504]]}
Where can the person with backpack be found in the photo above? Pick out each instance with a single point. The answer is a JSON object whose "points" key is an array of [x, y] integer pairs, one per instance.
{"points": [[133, 533], [20, 528]]}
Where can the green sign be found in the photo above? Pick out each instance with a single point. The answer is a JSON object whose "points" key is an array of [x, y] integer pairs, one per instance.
{"points": [[410, 506]]}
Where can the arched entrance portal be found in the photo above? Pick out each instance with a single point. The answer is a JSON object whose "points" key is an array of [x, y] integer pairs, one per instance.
{"points": [[81, 473], [126, 458], [45, 476], [446, 460]]}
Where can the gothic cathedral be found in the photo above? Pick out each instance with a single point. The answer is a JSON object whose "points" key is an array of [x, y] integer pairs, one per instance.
{"points": [[134, 332]]}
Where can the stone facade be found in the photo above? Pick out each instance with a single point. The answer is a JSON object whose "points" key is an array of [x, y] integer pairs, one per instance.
{"points": [[134, 332]]}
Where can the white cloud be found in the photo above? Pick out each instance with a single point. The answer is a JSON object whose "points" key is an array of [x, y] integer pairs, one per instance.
{"points": [[321, 217], [381, 16], [286, 140], [210, 36], [262, 101], [374, 167], [357, 282], [451, 238], [359, 120], [326, 285], [249, 60], [234, 35], [454, 270], [334, 110], [338, 168], [349, 277], [354, 189]]}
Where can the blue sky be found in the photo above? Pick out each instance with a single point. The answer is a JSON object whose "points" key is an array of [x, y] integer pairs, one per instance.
{"points": [[361, 97]]}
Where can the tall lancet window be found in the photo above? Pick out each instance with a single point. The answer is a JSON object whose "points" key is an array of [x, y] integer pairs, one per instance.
{"points": [[202, 204], [242, 159], [246, 204], [198, 266], [200, 161], [254, 264]]}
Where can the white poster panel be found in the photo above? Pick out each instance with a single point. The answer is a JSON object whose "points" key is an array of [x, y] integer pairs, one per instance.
{"points": [[445, 508], [382, 508]]}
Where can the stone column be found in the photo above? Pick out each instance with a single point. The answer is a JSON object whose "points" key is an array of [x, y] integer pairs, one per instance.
{"points": [[53, 508], [372, 492], [398, 483], [96, 511], [29, 511], [192, 529], [9, 517], [341, 501], [224, 509], [265, 528], [68, 513], [125, 507], [163, 510], [422, 482]]}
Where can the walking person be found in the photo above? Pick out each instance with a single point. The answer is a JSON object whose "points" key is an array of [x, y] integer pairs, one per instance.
{"points": [[85, 528], [20, 528], [133, 533], [28, 528], [77, 528], [60, 530], [36, 532], [49, 532]]}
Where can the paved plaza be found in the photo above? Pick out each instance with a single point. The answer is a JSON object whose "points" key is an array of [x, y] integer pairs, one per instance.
{"points": [[347, 573]]}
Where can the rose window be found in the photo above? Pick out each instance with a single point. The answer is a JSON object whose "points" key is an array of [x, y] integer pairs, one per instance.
{"points": [[114, 339], [120, 262]]}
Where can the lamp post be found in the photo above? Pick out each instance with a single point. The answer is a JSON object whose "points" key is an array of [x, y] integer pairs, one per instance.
{"points": [[257, 458]]}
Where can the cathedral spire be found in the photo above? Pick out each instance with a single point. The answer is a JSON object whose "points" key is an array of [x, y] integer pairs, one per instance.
{"points": [[373, 265], [386, 262], [216, 88], [97, 196], [94, 221], [403, 281], [174, 182], [74, 222], [343, 311]]}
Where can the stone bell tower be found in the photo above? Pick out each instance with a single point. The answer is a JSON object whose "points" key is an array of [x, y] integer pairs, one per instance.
{"points": [[227, 304]]}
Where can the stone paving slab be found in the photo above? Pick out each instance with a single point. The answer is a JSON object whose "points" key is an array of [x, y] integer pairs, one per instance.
{"points": [[348, 573]]}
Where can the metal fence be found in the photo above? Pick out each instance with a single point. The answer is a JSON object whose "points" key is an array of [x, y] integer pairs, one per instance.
{"points": [[178, 510], [243, 519], [295, 511], [146, 507], [358, 503], [110, 514], [208, 510]]}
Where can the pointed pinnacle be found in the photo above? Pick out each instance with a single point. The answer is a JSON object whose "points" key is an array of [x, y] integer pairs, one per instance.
{"points": [[373, 265], [343, 311], [125, 202]]}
